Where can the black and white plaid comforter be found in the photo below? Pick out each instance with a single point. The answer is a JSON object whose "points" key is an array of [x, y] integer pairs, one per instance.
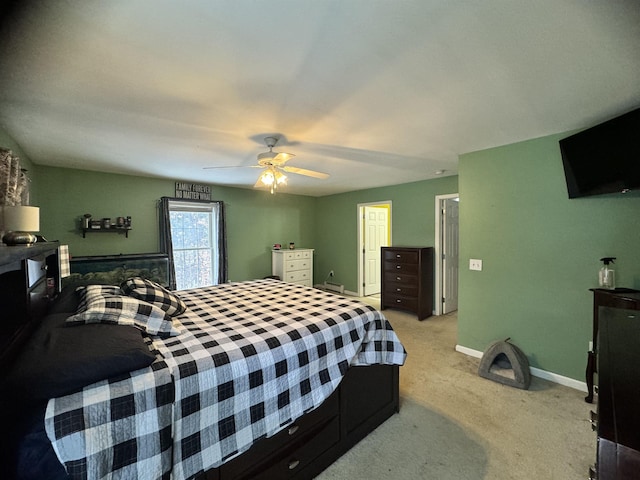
{"points": [[255, 356]]}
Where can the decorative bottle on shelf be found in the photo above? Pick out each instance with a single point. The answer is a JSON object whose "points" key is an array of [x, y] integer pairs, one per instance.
{"points": [[607, 275]]}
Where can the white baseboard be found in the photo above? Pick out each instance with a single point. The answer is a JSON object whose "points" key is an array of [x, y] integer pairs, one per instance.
{"points": [[536, 372]]}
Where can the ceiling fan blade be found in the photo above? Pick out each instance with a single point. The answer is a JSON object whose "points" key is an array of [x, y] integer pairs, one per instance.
{"points": [[304, 171], [233, 166], [282, 158]]}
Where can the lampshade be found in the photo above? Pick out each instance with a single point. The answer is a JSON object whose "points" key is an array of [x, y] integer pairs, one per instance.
{"points": [[18, 220]]}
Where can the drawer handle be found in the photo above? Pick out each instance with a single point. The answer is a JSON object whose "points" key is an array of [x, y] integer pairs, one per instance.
{"points": [[398, 278], [398, 289], [593, 418], [293, 464], [398, 267], [398, 300], [293, 429], [43, 267]]}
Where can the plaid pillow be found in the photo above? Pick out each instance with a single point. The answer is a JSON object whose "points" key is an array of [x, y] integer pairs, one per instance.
{"points": [[156, 294], [123, 310], [89, 292]]}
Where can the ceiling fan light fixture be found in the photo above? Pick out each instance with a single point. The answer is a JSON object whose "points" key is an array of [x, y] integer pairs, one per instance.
{"points": [[267, 178], [281, 178], [271, 178]]}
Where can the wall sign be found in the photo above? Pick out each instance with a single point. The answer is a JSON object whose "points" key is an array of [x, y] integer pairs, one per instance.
{"points": [[193, 191]]}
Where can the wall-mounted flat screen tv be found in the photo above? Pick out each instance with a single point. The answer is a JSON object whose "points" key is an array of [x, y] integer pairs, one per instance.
{"points": [[603, 159]]}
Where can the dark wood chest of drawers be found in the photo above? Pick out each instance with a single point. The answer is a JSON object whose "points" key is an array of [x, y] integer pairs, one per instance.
{"points": [[407, 279], [617, 420]]}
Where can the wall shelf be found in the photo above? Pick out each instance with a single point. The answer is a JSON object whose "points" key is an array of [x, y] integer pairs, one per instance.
{"points": [[124, 230]]}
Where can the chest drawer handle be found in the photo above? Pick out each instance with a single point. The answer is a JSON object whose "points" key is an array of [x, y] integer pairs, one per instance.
{"points": [[398, 289], [593, 418], [398, 278], [398, 267], [398, 255], [398, 301], [293, 464], [293, 429]]}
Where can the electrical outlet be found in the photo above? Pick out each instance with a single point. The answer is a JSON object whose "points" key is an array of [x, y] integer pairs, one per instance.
{"points": [[475, 264], [331, 273]]}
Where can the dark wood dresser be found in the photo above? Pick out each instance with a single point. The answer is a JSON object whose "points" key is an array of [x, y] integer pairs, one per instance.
{"points": [[29, 277], [617, 420], [407, 279], [617, 298]]}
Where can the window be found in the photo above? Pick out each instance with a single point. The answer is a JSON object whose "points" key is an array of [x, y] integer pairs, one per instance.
{"points": [[193, 233]]}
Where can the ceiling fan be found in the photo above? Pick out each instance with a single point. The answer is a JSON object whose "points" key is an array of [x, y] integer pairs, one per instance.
{"points": [[274, 167]]}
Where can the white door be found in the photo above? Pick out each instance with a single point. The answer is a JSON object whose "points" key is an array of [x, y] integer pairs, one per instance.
{"points": [[376, 235], [450, 255]]}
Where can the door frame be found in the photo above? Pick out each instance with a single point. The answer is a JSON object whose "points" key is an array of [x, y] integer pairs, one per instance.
{"points": [[360, 237], [438, 251]]}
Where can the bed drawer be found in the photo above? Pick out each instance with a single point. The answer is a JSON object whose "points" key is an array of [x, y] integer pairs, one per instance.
{"points": [[269, 450], [294, 462]]}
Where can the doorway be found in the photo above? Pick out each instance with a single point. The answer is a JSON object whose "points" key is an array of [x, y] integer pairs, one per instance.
{"points": [[446, 253], [374, 231]]}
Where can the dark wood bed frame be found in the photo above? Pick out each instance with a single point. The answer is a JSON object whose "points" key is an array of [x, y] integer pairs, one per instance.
{"points": [[367, 396]]}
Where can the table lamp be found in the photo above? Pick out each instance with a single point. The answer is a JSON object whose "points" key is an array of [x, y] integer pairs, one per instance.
{"points": [[19, 221]]}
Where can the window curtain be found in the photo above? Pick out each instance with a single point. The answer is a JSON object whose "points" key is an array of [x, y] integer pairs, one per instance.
{"points": [[164, 208]]}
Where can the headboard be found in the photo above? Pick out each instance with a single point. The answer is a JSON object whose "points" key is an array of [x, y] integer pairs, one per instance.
{"points": [[114, 269]]}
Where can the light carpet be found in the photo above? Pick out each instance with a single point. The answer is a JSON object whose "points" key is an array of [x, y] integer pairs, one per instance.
{"points": [[456, 425]]}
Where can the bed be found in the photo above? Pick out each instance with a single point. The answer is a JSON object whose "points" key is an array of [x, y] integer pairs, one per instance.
{"points": [[258, 379]]}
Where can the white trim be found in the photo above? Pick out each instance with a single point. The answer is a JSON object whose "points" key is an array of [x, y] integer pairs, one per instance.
{"points": [[359, 238], [438, 251], [536, 372]]}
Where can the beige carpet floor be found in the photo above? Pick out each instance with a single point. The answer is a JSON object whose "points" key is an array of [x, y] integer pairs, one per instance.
{"points": [[454, 424]]}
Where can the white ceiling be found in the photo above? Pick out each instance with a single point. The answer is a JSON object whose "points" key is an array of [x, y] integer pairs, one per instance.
{"points": [[372, 92]]}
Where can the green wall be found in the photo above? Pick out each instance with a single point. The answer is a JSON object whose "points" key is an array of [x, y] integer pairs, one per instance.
{"points": [[255, 219], [412, 224], [540, 250], [540, 253]]}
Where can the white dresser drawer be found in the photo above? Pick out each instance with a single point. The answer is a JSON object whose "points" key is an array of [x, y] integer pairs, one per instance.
{"points": [[297, 254], [298, 265], [297, 276]]}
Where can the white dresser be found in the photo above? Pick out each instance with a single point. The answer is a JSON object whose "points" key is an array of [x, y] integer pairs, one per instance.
{"points": [[293, 266]]}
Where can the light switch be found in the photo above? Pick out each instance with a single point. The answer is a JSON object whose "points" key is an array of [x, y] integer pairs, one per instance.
{"points": [[475, 264]]}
